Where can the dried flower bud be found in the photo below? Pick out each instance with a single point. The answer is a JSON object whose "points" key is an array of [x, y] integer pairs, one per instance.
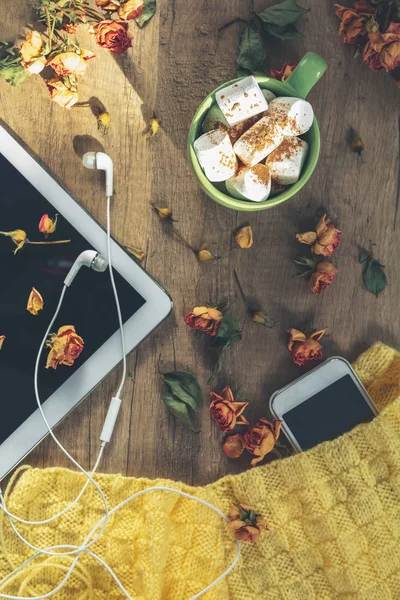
{"points": [[261, 318], [205, 254], [244, 237], [2, 338], [18, 236], [136, 252], [154, 126], [356, 143], [103, 122], [35, 302], [165, 214], [246, 523], [47, 225]]}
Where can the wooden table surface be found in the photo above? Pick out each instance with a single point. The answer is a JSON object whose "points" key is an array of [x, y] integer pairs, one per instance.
{"points": [[183, 54]]}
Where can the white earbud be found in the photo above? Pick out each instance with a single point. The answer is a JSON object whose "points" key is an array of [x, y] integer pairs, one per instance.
{"points": [[100, 160], [88, 258]]}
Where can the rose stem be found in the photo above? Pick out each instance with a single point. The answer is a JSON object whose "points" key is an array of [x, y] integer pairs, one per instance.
{"points": [[46, 243]]}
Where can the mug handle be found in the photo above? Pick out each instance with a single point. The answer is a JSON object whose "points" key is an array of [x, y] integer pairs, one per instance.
{"points": [[309, 70]]}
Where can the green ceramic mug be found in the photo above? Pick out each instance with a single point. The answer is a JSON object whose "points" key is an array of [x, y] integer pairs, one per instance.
{"points": [[309, 70]]}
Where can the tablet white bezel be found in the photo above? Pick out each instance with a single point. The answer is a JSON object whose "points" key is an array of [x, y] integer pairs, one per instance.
{"points": [[156, 308], [309, 384]]}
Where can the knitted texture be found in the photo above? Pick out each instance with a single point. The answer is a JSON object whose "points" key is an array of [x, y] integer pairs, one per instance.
{"points": [[333, 512]]}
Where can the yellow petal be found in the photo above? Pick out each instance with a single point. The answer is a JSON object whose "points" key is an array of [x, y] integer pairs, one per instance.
{"points": [[35, 302], [165, 214], [2, 338], [136, 252], [103, 122], [154, 126], [205, 254], [244, 237]]}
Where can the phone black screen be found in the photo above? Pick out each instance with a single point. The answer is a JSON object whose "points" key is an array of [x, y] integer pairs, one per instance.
{"points": [[328, 414], [88, 304]]}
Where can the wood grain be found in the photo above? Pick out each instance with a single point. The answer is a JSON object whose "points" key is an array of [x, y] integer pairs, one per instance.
{"points": [[182, 55]]}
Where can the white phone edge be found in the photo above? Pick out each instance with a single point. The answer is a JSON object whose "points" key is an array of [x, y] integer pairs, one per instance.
{"points": [[340, 362]]}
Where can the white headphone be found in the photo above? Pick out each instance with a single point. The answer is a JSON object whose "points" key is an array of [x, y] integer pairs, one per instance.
{"points": [[93, 260]]}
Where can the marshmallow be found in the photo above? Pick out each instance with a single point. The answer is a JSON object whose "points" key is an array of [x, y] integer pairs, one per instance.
{"points": [[215, 155], [250, 183], [241, 100], [268, 95], [286, 162], [295, 115], [259, 141], [214, 119]]}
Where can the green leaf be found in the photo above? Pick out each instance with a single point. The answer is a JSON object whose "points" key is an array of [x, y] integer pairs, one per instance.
{"points": [[251, 50], [11, 68], [185, 387], [220, 361], [229, 332], [14, 74], [283, 32], [364, 255], [179, 410], [374, 276], [149, 9], [284, 13]]}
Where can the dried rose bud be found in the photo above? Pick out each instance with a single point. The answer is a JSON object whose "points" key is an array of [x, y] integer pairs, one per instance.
{"points": [[65, 347], [322, 277], [246, 523], [303, 349], [103, 122], [226, 412], [356, 143], [165, 214], [47, 225], [205, 318], [244, 237], [18, 236], [35, 302], [260, 438], [233, 446], [325, 240], [71, 63], [352, 28], [205, 254], [112, 35], [2, 338], [261, 318], [154, 126]]}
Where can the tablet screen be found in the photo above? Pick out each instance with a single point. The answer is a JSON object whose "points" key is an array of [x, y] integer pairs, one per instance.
{"points": [[88, 305]]}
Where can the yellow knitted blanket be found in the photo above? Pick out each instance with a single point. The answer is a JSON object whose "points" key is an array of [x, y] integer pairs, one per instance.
{"points": [[333, 512]]}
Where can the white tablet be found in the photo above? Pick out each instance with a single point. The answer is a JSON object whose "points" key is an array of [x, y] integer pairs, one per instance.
{"points": [[27, 192]]}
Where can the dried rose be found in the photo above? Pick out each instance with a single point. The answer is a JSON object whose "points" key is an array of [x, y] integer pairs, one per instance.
{"points": [[47, 225], [108, 5], [324, 240], [245, 523], [103, 122], [2, 338], [260, 438], [387, 45], [233, 446], [132, 9], [18, 237], [65, 347], [69, 26], [62, 94], [205, 254], [71, 63], [226, 412], [353, 21], [32, 50], [35, 302], [206, 319], [372, 58], [303, 349], [285, 71], [244, 237], [112, 35], [323, 276], [154, 126]]}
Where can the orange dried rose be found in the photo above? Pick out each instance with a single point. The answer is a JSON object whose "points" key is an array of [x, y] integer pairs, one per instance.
{"points": [[132, 9], [107, 5], [387, 45], [225, 411], [31, 51], [2, 338], [303, 349], [35, 302], [233, 446], [112, 35], [18, 236], [285, 71], [65, 347], [322, 277], [325, 240], [353, 21], [260, 438], [71, 63], [62, 94], [47, 225], [205, 318], [245, 523]]}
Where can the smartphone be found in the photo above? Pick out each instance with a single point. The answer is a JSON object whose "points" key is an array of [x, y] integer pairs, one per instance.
{"points": [[322, 404]]}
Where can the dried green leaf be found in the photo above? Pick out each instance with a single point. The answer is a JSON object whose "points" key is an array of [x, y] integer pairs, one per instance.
{"points": [[184, 386], [283, 32], [149, 9], [179, 410], [11, 68], [283, 14], [374, 276], [251, 50], [229, 332]]}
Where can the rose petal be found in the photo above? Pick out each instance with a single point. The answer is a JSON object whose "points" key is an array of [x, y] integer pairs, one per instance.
{"points": [[233, 446]]}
